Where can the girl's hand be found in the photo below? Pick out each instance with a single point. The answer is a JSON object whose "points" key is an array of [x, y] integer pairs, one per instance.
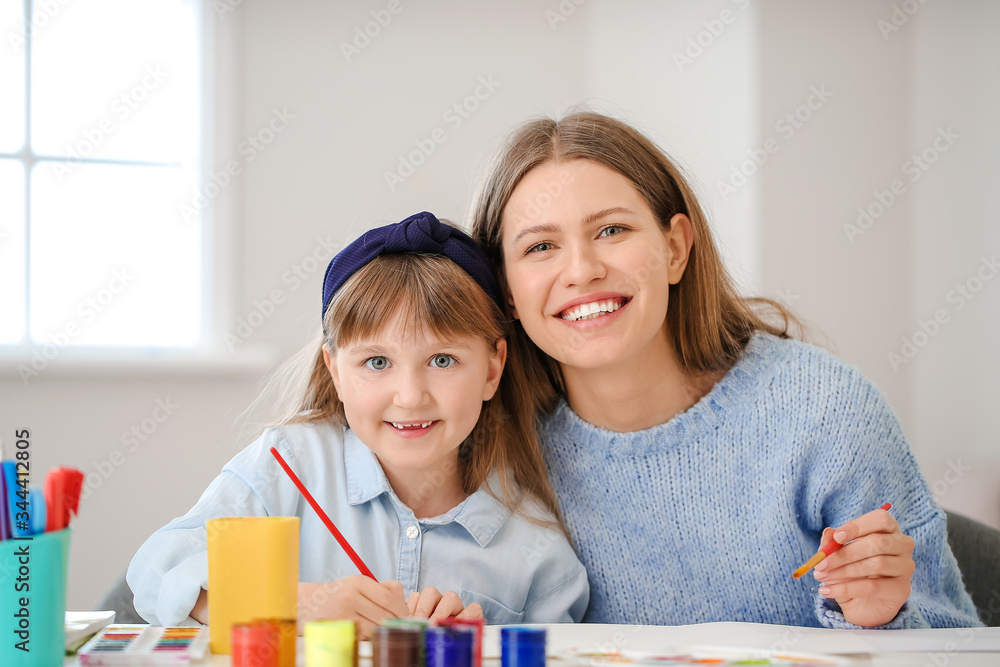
{"points": [[870, 575], [430, 603], [355, 598]]}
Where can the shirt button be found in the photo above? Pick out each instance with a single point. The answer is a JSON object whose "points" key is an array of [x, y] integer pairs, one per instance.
{"points": [[412, 532]]}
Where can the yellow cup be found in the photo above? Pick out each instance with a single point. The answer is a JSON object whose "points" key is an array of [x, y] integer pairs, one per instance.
{"points": [[253, 572]]}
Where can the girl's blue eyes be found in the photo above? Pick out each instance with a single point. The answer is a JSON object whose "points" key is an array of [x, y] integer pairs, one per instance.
{"points": [[610, 230], [377, 363], [438, 361], [443, 361]]}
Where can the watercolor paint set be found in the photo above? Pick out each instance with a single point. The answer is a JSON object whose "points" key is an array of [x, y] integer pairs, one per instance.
{"points": [[145, 645], [699, 656]]}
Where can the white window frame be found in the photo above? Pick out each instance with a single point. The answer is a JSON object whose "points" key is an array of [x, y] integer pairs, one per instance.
{"points": [[219, 122]]}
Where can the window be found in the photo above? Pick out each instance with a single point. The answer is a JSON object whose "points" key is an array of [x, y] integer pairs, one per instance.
{"points": [[101, 237]]}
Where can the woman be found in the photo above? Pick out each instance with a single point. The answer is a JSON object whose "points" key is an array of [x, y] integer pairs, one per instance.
{"points": [[699, 453]]}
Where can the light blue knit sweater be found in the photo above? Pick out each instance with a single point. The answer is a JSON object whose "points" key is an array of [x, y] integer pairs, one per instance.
{"points": [[705, 517]]}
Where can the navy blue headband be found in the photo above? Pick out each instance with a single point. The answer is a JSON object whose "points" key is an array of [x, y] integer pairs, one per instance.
{"points": [[421, 233]]}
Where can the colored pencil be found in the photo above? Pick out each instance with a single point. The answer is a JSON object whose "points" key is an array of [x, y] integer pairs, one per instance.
{"points": [[323, 516], [831, 547]]}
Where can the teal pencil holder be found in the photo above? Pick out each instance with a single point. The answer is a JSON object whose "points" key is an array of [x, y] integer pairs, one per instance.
{"points": [[33, 600]]}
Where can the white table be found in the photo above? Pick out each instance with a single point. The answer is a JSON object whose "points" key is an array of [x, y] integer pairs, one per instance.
{"points": [[978, 647]]}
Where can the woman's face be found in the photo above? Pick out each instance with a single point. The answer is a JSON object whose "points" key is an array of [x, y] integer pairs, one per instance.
{"points": [[588, 265]]}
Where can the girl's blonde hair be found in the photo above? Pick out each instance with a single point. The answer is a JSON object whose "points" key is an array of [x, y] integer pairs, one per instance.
{"points": [[432, 294], [709, 322]]}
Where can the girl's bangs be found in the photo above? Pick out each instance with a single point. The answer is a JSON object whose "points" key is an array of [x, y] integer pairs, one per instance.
{"points": [[422, 294]]}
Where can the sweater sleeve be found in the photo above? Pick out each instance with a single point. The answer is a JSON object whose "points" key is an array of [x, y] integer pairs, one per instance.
{"points": [[169, 570], [865, 461]]}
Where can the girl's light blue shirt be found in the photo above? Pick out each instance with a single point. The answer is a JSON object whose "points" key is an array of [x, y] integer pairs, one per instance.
{"points": [[517, 570]]}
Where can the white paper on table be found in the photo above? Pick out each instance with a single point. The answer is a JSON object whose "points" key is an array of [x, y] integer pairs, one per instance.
{"points": [[591, 636]]}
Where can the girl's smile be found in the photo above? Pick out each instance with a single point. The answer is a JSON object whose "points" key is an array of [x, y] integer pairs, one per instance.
{"points": [[412, 429]]}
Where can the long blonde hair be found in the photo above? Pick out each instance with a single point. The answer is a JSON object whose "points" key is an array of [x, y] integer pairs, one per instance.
{"points": [[431, 293], [709, 322]]}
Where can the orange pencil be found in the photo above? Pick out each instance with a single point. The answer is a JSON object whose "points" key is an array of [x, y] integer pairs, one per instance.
{"points": [[830, 548]]}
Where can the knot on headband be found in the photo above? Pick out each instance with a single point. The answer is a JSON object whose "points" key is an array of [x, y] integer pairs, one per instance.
{"points": [[421, 233]]}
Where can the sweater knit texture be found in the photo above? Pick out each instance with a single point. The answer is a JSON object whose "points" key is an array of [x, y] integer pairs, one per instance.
{"points": [[704, 518]]}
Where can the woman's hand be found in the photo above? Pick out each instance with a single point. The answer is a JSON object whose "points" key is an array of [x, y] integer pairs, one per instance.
{"points": [[355, 598], [870, 575], [430, 603]]}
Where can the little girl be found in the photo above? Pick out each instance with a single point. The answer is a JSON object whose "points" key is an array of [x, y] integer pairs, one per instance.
{"points": [[413, 439]]}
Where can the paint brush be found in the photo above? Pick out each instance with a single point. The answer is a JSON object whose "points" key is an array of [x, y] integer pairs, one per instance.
{"points": [[323, 516], [831, 547]]}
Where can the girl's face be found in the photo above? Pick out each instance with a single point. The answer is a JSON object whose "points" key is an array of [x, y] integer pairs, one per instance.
{"points": [[413, 400], [587, 264]]}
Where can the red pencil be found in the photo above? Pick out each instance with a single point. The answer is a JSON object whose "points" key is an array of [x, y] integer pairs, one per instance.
{"points": [[830, 548], [322, 515]]}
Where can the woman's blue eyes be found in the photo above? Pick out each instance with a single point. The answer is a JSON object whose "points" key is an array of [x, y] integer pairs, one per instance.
{"points": [[538, 247], [438, 361], [610, 230]]}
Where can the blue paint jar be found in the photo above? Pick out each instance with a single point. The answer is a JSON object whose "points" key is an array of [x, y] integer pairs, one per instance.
{"points": [[522, 646], [449, 646]]}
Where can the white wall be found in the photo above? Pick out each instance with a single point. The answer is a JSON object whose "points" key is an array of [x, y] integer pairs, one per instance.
{"points": [[323, 177]]}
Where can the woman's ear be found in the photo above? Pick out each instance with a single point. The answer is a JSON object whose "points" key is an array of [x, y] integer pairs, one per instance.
{"points": [[495, 369], [331, 367], [680, 239]]}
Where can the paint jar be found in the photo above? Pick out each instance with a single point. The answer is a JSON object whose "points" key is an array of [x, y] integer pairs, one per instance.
{"points": [[397, 646], [522, 646], [286, 630], [450, 646], [477, 643], [256, 645], [331, 644]]}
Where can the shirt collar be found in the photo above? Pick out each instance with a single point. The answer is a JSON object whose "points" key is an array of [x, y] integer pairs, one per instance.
{"points": [[480, 514]]}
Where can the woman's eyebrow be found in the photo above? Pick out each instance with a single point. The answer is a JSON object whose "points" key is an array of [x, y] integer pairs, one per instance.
{"points": [[594, 217], [534, 229]]}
